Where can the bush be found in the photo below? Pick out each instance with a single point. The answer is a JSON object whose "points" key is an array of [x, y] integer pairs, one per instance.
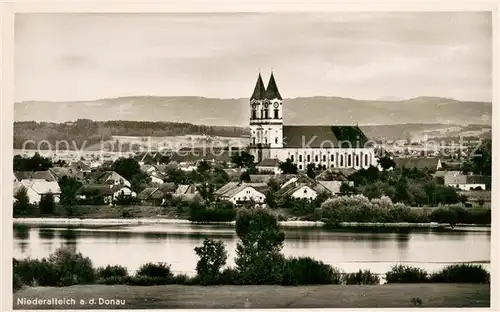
{"points": [[111, 271], [34, 272], [365, 277], [155, 270], [71, 267], [406, 274], [461, 273], [16, 282], [184, 279], [229, 276], [307, 271]]}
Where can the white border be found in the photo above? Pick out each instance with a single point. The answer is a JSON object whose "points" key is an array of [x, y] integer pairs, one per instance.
{"points": [[6, 87]]}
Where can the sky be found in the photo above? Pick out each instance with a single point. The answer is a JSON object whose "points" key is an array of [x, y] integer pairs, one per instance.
{"points": [[378, 55]]}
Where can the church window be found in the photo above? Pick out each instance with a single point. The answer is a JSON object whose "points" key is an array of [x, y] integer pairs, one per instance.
{"points": [[324, 157], [253, 140], [266, 114], [366, 160], [341, 160], [254, 114], [300, 167], [316, 158], [357, 160], [308, 158], [276, 114], [262, 114], [349, 160], [331, 157], [291, 158], [300, 158], [265, 140], [276, 140]]}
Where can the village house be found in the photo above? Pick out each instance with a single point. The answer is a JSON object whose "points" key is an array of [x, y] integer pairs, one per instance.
{"points": [[186, 191], [269, 165], [237, 192], [37, 188], [45, 175], [465, 182], [108, 192], [106, 177], [156, 195]]}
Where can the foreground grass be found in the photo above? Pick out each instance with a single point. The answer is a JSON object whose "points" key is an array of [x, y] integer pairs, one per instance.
{"points": [[325, 296]]}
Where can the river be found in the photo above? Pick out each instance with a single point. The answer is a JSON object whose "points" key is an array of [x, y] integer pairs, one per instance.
{"points": [[348, 250]]}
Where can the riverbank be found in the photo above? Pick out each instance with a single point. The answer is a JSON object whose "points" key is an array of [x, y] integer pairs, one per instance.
{"points": [[261, 296], [294, 223]]}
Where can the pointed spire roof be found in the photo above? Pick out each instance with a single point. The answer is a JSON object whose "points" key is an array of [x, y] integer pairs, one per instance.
{"points": [[272, 89], [260, 91]]}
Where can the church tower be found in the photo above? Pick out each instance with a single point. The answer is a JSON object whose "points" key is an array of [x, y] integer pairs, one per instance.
{"points": [[273, 110], [266, 118]]}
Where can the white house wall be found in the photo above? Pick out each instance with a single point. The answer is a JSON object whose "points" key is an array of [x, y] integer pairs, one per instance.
{"points": [[304, 192], [246, 194]]}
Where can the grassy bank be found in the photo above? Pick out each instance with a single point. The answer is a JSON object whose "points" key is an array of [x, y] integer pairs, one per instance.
{"points": [[325, 296]]}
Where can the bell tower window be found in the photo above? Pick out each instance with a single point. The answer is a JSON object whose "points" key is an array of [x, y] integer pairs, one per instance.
{"points": [[254, 114], [276, 113]]}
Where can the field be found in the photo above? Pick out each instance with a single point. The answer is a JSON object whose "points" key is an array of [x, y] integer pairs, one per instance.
{"points": [[325, 296]]}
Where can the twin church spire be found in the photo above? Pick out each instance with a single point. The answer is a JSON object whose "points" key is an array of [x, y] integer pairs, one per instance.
{"points": [[269, 93]]}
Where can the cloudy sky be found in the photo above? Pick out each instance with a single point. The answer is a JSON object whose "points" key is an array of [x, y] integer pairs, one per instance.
{"points": [[66, 57]]}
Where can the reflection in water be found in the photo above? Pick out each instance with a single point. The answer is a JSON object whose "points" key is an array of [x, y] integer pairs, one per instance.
{"points": [[349, 250], [21, 231], [46, 233]]}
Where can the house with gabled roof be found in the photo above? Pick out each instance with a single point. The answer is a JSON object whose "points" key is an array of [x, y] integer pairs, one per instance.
{"points": [[156, 195], [338, 146], [239, 192], [269, 165], [106, 177], [108, 192], [45, 175], [37, 188]]}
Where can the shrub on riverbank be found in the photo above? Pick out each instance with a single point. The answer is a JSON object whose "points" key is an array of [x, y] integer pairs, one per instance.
{"points": [[307, 271], [111, 271], [155, 270], [221, 211], [365, 277], [406, 274], [461, 273], [359, 208]]}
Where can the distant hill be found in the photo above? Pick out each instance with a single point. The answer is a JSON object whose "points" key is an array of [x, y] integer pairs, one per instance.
{"points": [[235, 112]]}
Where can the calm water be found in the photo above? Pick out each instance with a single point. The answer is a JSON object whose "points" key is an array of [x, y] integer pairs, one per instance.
{"points": [[132, 246]]}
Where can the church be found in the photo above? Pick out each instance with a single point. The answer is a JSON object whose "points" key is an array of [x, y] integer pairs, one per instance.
{"points": [[332, 146]]}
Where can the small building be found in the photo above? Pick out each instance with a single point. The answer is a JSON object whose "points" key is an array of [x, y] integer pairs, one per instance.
{"points": [[464, 182], [45, 175], [36, 188], [237, 192], [108, 192], [106, 177], [269, 165], [301, 191]]}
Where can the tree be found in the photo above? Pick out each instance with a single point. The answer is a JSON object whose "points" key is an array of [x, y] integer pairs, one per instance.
{"points": [[245, 177], [271, 199], [203, 167], [213, 256], [402, 191], [347, 189], [310, 171], [69, 186], [206, 191], [47, 205], [127, 167], [481, 159], [386, 163], [288, 167], [243, 160], [34, 163], [22, 205], [259, 259]]}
